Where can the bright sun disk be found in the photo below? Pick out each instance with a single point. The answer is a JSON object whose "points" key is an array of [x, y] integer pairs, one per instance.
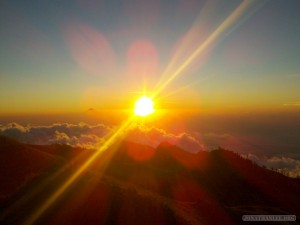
{"points": [[143, 106]]}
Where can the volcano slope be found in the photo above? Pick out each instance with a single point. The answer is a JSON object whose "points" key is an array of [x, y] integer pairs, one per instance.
{"points": [[131, 184]]}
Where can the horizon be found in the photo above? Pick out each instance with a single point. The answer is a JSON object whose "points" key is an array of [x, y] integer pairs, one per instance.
{"points": [[206, 56]]}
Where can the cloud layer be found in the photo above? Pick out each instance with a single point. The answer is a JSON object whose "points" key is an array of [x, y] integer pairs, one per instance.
{"points": [[284, 165], [80, 135], [92, 136], [154, 136]]}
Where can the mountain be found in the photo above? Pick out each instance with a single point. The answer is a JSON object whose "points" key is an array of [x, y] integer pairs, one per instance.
{"points": [[20, 163], [130, 183]]}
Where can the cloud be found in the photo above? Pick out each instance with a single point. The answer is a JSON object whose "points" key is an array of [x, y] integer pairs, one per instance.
{"points": [[223, 139], [79, 135], [92, 136], [292, 104], [281, 164], [154, 136], [217, 135]]}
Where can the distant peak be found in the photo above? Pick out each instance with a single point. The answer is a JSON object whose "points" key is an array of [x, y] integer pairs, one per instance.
{"points": [[165, 144], [91, 109]]}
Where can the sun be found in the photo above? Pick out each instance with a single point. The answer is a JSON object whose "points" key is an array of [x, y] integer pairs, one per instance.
{"points": [[143, 106]]}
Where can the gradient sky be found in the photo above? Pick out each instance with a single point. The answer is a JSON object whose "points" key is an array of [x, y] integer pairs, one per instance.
{"points": [[69, 56]]}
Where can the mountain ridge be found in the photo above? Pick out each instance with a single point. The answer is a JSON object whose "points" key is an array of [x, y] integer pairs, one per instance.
{"points": [[185, 188]]}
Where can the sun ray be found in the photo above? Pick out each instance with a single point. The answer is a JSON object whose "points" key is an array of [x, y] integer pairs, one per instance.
{"points": [[189, 38], [55, 196], [223, 29], [180, 89]]}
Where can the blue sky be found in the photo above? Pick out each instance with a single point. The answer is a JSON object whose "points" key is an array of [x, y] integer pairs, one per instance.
{"points": [[255, 65]]}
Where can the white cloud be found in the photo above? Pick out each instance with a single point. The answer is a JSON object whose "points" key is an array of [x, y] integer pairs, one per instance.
{"points": [[92, 136], [292, 104], [154, 136], [281, 164], [80, 135]]}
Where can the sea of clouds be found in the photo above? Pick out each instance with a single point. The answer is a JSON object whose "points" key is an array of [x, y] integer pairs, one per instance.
{"points": [[93, 136]]}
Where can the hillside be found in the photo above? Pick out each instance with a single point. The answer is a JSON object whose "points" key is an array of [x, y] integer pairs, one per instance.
{"points": [[131, 183]]}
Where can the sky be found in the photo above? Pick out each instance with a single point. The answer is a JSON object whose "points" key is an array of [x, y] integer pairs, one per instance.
{"points": [[221, 73], [70, 56]]}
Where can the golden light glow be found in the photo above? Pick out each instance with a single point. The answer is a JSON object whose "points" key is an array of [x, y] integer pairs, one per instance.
{"points": [[143, 106], [232, 21], [111, 138]]}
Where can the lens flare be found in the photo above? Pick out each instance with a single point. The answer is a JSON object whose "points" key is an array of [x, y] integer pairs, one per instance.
{"points": [[234, 20]]}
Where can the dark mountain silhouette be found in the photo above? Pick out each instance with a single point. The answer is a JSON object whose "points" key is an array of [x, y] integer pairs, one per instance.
{"points": [[131, 183]]}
